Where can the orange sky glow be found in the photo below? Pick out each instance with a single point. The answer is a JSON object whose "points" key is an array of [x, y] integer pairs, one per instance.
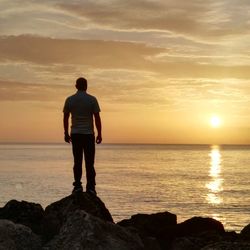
{"points": [[161, 69]]}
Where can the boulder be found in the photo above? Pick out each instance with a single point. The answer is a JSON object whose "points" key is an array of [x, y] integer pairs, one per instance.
{"points": [[184, 244], [198, 241], [228, 246], [159, 226], [198, 225], [150, 224], [245, 232], [17, 237], [207, 239], [25, 213], [82, 231], [57, 213]]}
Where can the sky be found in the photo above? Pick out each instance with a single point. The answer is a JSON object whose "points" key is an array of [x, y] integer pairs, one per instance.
{"points": [[160, 69]]}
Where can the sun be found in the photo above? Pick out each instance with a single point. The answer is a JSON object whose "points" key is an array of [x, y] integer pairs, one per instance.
{"points": [[215, 121]]}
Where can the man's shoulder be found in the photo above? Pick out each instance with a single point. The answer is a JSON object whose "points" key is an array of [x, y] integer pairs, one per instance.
{"points": [[77, 96], [71, 97], [91, 96]]}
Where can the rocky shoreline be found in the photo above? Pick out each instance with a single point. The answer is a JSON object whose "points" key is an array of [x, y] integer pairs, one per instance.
{"points": [[82, 222]]}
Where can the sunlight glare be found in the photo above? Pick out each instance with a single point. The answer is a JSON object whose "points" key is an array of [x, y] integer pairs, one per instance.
{"points": [[215, 185], [215, 121]]}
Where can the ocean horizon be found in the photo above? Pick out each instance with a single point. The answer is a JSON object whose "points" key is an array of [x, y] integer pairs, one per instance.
{"points": [[185, 179]]}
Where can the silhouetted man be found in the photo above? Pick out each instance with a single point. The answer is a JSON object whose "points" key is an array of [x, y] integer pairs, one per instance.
{"points": [[82, 107]]}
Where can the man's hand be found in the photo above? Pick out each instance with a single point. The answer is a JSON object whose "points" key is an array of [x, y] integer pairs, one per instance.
{"points": [[98, 139], [98, 125], [67, 138]]}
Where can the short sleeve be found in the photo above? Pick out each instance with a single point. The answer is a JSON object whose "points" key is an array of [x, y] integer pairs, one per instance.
{"points": [[96, 107], [66, 108]]}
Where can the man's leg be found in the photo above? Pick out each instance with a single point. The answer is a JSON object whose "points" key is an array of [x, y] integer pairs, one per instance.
{"points": [[77, 148], [89, 155]]}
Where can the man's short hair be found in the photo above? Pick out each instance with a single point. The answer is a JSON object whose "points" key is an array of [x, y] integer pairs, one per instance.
{"points": [[81, 83]]}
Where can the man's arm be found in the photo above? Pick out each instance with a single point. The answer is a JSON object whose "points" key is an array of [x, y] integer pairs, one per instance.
{"points": [[67, 137], [98, 125]]}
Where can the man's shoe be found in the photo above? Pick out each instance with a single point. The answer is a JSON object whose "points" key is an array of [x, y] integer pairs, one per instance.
{"points": [[77, 189]]}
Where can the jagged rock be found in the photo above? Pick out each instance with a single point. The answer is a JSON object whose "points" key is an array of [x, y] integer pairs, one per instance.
{"points": [[197, 225], [57, 212], [151, 243], [198, 241], [82, 231], [189, 244], [17, 237], [82, 222], [150, 224], [245, 232], [203, 239], [184, 244], [228, 246], [198, 232], [25, 213], [154, 225]]}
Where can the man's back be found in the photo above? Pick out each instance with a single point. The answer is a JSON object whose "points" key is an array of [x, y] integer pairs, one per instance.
{"points": [[82, 106]]}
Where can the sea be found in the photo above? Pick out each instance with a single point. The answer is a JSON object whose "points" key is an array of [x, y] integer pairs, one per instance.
{"points": [[187, 180]]}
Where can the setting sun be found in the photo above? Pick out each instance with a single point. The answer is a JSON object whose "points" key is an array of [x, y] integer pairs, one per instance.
{"points": [[215, 121]]}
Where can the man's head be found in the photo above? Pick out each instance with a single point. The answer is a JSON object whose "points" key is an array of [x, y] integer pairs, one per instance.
{"points": [[81, 84]]}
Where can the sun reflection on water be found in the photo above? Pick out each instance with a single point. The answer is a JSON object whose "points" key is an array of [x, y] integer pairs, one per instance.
{"points": [[215, 185]]}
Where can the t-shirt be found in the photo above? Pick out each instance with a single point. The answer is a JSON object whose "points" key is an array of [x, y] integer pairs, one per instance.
{"points": [[81, 106]]}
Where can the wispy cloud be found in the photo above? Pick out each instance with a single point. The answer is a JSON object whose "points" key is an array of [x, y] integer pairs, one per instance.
{"points": [[199, 19], [115, 55], [196, 20], [96, 53], [19, 91]]}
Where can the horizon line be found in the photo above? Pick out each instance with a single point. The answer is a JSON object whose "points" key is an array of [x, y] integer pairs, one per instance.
{"points": [[129, 143]]}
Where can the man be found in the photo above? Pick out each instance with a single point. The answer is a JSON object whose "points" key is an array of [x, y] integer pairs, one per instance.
{"points": [[82, 107]]}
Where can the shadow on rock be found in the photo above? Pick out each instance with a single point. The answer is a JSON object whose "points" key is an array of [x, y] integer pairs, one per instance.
{"points": [[84, 231], [25, 213], [17, 237], [157, 226], [57, 213], [197, 225]]}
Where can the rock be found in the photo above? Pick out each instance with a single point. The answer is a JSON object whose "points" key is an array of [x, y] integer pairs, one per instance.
{"points": [[193, 234], [150, 224], [245, 232], [154, 225], [197, 241], [82, 231], [17, 237], [82, 222], [197, 225], [207, 239], [228, 246], [151, 243], [25, 213], [184, 244], [57, 212]]}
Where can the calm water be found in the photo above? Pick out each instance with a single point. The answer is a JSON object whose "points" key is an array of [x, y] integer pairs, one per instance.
{"points": [[183, 179]]}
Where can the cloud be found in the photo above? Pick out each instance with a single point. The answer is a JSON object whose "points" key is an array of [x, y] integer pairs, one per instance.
{"points": [[201, 21], [197, 19], [30, 92], [95, 53], [110, 55]]}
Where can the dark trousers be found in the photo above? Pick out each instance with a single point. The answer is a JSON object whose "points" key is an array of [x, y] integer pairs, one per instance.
{"points": [[84, 144]]}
